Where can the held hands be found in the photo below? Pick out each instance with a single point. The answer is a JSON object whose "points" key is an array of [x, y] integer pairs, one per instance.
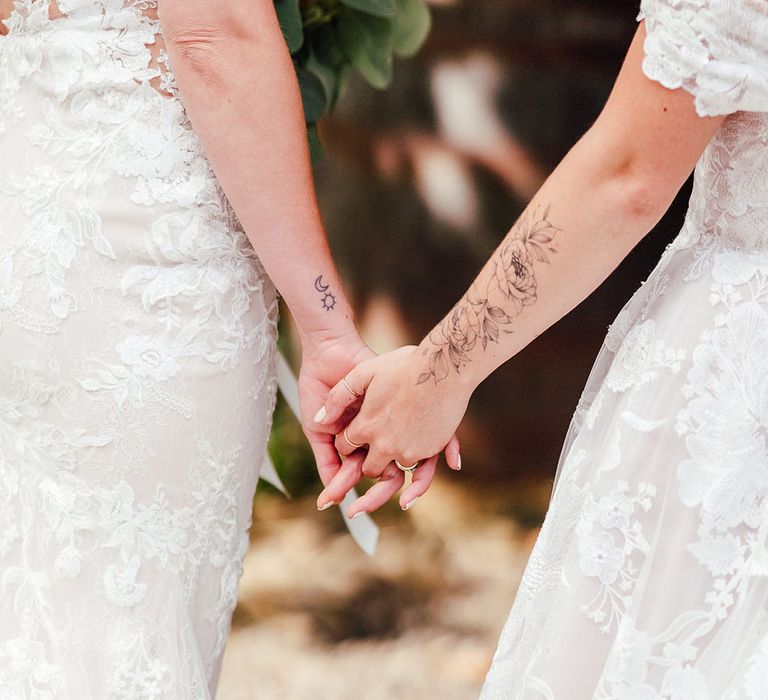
{"points": [[398, 419], [324, 362]]}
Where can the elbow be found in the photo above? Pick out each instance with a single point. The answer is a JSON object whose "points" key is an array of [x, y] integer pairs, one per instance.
{"points": [[201, 51], [210, 40], [643, 197], [640, 186]]}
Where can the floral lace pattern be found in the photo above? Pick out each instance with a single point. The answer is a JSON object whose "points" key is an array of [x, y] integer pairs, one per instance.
{"points": [[716, 49], [653, 558], [132, 309], [609, 536]]}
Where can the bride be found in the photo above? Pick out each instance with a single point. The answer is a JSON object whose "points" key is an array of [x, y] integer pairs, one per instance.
{"points": [[137, 331], [649, 578]]}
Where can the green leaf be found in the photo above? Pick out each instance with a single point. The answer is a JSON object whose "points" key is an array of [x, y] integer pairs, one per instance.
{"points": [[324, 49], [289, 16], [367, 41], [325, 73], [380, 8], [324, 44], [312, 95], [342, 80], [315, 146], [411, 26]]}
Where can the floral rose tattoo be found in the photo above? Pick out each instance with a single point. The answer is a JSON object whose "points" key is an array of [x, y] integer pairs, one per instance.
{"points": [[482, 318]]}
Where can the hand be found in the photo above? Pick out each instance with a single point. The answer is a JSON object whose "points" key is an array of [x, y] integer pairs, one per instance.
{"points": [[399, 420], [324, 363]]}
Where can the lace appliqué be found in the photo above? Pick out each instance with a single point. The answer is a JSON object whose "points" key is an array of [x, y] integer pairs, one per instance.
{"points": [[609, 536], [118, 248], [686, 47]]}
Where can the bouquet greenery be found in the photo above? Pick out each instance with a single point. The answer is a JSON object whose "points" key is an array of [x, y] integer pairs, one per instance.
{"points": [[330, 38]]}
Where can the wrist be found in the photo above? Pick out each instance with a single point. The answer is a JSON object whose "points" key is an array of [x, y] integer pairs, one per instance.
{"points": [[433, 371], [322, 314], [331, 332], [332, 327]]}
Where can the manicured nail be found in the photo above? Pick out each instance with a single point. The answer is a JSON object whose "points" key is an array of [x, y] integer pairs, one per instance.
{"points": [[328, 505], [413, 502], [458, 463], [358, 515], [320, 415]]}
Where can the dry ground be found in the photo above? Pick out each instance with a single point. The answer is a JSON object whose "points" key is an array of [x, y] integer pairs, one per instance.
{"points": [[318, 620]]}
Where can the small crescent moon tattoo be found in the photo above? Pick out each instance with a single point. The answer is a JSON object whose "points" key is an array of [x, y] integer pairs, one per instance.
{"points": [[319, 286]]}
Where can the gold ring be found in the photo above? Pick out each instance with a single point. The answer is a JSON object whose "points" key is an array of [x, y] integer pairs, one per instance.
{"points": [[352, 444], [351, 390], [407, 469]]}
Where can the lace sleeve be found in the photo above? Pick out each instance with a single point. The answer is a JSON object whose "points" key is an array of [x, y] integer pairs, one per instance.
{"points": [[715, 49]]}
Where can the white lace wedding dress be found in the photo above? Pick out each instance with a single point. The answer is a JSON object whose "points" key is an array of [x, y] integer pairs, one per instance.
{"points": [[649, 579], [137, 380]]}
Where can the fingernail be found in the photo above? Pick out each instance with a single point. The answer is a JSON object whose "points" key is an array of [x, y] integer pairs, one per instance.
{"points": [[358, 515], [326, 506], [413, 502], [320, 415], [458, 463]]}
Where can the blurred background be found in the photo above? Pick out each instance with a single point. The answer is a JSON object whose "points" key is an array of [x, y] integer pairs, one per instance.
{"points": [[418, 185]]}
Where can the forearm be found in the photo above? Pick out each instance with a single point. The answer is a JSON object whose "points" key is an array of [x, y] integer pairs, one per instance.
{"points": [[584, 220], [609, 192], [240, 92]]}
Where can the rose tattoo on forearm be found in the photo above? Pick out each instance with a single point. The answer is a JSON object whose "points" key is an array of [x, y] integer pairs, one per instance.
{"points": [[482, 316]]}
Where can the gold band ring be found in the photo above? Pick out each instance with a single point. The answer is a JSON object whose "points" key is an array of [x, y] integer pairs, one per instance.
{"points": [[352, 444], [407, 469], [351, 390]]}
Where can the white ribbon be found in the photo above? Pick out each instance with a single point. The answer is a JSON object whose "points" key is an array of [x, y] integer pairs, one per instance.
{"points": [[363, 530]]}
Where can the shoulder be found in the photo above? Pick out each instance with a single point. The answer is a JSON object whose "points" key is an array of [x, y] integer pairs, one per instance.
{"points": [[716, 49]]}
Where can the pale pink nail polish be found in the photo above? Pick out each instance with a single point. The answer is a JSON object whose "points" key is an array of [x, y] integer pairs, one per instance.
{"points": [[358, 515], [326, 506], [412, 503]]}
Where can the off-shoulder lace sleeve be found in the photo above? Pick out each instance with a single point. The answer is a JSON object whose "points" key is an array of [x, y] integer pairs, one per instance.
{"points": [[715, 49]]}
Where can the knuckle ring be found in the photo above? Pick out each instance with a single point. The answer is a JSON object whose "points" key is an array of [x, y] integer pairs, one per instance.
{"points": [[356, 445], [351, 390], [407, 469]]}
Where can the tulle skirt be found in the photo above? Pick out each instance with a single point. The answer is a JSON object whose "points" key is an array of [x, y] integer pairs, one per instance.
{"points": [[649, 578]]}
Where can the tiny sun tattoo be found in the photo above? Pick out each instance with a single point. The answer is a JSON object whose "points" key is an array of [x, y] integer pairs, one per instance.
{"points": [[327, 299], [483, 315]]}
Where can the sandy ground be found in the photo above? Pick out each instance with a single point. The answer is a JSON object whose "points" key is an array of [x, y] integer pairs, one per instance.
{"points": [[317, 619]]}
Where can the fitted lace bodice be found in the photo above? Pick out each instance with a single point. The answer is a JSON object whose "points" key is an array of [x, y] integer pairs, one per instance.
{"points": [[137, 377], [82, 44], [729, 203], [114, 17], [718, 51]]}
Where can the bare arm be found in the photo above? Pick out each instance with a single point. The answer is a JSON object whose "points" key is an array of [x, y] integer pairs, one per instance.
{"points": [[240, 91], [239, 88], [604, 197]]}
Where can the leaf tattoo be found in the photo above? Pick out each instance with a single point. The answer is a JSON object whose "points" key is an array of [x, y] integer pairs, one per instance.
{"points": [[479, 319]]}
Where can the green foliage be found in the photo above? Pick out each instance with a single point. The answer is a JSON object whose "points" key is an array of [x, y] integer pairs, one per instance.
{"points": [[289, 15], [330, 38], [367, 41], [411, 25]]}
